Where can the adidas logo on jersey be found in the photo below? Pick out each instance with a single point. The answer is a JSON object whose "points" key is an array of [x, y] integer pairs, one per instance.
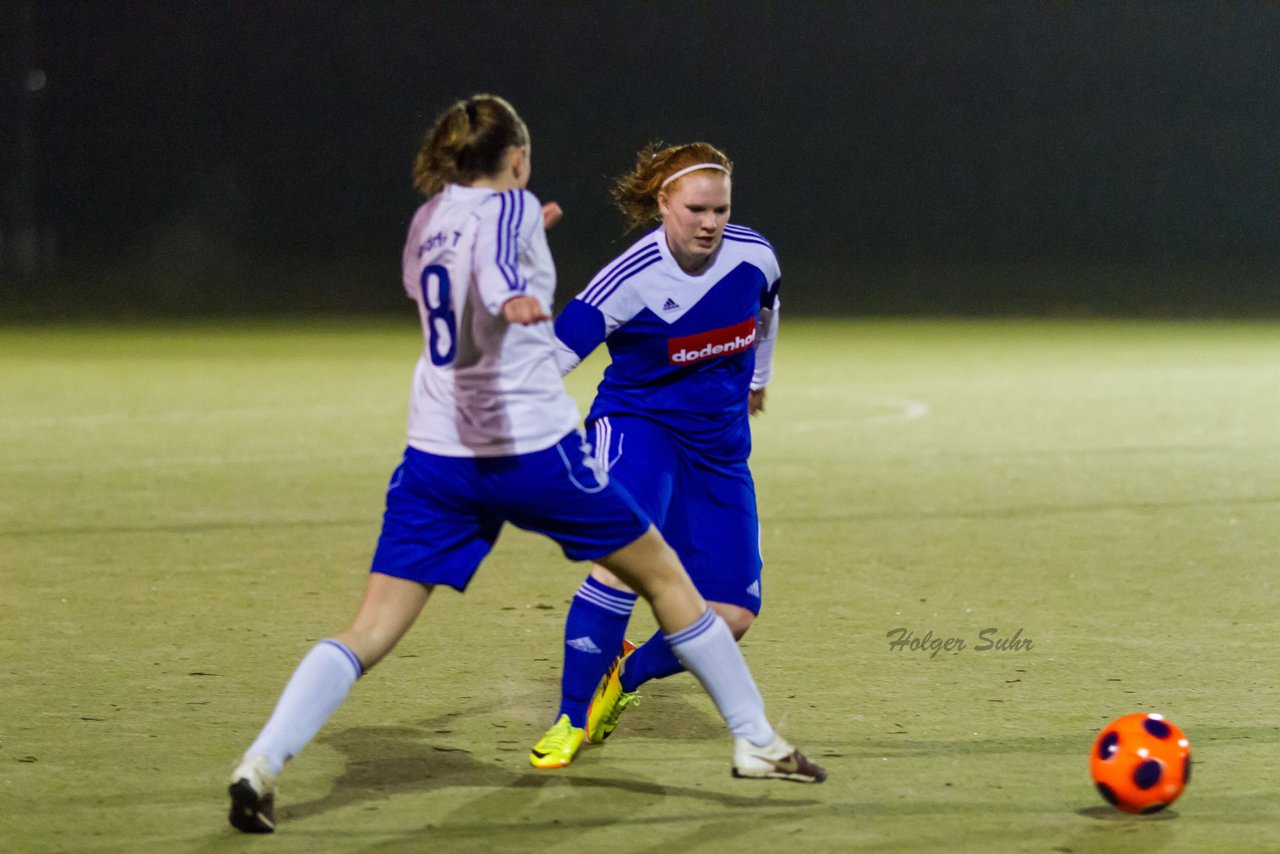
{"points": [[670, 305], [584, 644], [754, 589]]}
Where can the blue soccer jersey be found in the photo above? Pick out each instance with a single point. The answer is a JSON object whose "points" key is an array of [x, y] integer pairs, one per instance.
{"points": [[685, 349]]}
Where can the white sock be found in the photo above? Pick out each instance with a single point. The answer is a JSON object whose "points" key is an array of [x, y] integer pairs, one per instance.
{"points": [[317, 687], [708, 651]]}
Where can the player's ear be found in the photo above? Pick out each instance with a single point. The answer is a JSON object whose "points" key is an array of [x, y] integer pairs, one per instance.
{"points": [[518, 161], [663, 203]]}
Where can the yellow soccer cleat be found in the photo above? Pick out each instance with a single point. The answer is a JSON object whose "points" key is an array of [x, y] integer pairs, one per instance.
{"points": [[556, 749], [610, 701]]}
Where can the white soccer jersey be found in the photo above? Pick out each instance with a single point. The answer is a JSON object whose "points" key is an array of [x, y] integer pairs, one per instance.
{"points": [[483, 387]]}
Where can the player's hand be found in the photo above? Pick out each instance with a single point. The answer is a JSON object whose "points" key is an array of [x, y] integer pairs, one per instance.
{"points": [[755, 402], [524, 311], [551, 214]]}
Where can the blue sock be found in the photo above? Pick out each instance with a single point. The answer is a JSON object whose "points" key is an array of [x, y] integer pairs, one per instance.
{"points": [[593, 632], [653, 660]]}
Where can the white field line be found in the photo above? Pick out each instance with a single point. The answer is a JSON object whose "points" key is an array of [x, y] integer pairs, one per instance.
{"points": [[908, 410], [902, 411]]}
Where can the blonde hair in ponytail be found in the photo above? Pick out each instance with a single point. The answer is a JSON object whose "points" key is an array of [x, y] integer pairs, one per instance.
{"points": [[466, 142]]}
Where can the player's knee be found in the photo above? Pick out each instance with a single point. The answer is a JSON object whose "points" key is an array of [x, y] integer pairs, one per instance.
{"points": [[607, 578], [739, 627], [736, 618]]}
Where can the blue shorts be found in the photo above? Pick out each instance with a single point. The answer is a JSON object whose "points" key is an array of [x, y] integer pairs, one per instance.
{"points": [[444, 513], [705, 509]]}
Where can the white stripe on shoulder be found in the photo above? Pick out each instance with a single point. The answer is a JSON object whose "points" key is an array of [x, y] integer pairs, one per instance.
{"points": [[619, 271]]}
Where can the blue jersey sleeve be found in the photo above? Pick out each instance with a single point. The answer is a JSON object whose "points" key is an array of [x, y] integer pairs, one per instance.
{"points": [[581, 327], [769, 297]]}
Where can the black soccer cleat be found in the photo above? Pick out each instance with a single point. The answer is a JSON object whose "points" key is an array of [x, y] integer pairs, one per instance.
{"points": [[253, 797]]}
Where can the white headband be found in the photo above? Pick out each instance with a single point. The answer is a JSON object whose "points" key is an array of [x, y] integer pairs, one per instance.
{"points": [[694, 168]]}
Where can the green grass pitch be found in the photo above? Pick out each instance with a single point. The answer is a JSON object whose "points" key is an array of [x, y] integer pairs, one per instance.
{"points": [[184, 510]]}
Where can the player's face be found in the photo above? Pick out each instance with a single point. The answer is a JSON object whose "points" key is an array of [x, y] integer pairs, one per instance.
{"points": [[694, 210]]}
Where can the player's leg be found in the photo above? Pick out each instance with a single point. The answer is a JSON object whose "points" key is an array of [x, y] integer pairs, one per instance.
{"points": [[389, 607], [594, 630], [596, 623], [654, 659], [430, 536], [619, 690], [698, 637], [579, 506], [703, 643], [725, 565], [564, 497], [324, 676], [319, 684], [644, 458], [639, 455]]}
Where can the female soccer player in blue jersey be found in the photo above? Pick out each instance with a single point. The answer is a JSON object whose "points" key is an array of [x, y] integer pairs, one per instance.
{"points": [[689, 314], [492, 439]]}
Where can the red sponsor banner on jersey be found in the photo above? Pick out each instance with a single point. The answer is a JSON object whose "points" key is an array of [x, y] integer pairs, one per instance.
{"points": [[710, 345]]}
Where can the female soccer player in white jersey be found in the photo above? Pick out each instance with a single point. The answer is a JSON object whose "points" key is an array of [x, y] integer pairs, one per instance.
{"points": [[689, 314], [493, 439]]}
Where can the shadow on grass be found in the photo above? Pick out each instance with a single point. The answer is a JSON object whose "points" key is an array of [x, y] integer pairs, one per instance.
{"points": [[1112, 830], [1105, 813], [382, 761]]}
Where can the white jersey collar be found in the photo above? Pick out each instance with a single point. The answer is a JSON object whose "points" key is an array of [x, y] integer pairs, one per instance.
{"points": [[462, 191], [708, 269]]}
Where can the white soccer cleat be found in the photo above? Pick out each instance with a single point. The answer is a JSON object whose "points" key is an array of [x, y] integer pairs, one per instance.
{"points": [[253, 796], [776, 761]]}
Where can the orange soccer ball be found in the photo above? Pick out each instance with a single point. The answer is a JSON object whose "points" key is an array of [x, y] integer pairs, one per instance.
{"points": [[1141, 763]]}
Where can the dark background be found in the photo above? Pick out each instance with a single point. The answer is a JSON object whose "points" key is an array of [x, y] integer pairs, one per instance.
{"points": [[940, 158]]}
